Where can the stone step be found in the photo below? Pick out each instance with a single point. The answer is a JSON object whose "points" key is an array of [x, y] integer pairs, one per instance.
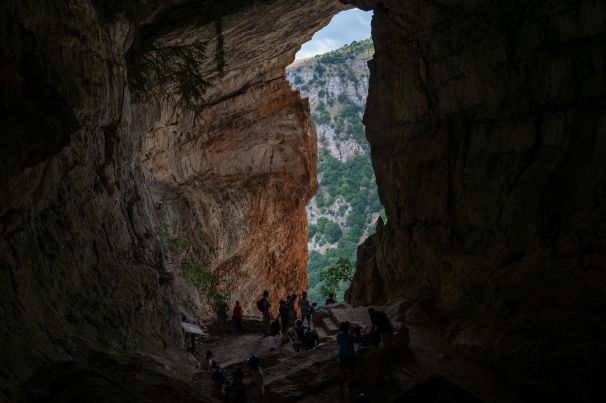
{"points": [[330, 325], [322, 335]]}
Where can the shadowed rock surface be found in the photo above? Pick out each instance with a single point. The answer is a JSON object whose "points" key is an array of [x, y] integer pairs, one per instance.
{"points": [[486, 122], [488, 139], [104, 182]]}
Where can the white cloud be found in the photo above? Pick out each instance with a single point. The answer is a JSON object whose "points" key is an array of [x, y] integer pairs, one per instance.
{"points": [[317, 47], [345, 27]]}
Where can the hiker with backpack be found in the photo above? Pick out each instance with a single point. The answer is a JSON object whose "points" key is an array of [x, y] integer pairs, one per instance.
{"points": [[305, 308], [237, 315], [264, 306]]}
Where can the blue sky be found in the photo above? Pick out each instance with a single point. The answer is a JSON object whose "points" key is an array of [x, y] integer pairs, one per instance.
{"points": [[345, 27]]}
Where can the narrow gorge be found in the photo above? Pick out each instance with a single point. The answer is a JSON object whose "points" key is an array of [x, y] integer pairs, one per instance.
{"points": [[150, 146]]}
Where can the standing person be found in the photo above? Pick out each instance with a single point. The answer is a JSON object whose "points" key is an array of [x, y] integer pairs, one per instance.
{"points": [[237, 317], [239, 387], [330, 299], [346, 353], [222, 318], [381, 324], [264, 306], [285, 317], [305, 308], [256, 390], [292, 303]]}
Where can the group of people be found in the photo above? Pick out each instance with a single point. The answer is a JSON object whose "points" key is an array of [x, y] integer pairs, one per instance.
{"points": [[238, 390], [222, 318], [289, 322], [381, 331]]}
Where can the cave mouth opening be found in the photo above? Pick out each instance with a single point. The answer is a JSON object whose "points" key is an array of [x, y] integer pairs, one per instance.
{"points": [[331, 71]]}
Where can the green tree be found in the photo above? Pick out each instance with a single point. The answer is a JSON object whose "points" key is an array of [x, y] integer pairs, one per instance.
{"points": [[333, 232], [336, 275]]}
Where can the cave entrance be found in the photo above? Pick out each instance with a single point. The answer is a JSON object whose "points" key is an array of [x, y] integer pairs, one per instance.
{"points": [[331, 71]]}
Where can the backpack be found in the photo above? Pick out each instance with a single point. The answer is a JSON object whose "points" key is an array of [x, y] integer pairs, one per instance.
{"points": [[261, 305], [274, 329]]}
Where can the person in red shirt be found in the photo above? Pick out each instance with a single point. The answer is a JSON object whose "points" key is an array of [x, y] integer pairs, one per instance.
{"points": [[237, 317]]}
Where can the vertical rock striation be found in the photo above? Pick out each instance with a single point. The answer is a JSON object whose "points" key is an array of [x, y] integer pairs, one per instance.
{"points": [[487, 128], [100, 179]]}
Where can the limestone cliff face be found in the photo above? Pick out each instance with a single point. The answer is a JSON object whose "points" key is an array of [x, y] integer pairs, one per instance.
{"points": [[487, 133], [98, 180], [242, 169]]}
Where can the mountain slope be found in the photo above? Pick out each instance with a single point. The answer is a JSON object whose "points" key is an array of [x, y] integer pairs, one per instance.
{"points": [[346, 205]]}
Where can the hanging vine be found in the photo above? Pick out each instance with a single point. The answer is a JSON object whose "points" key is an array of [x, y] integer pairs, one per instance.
{"points": [[155, 69], [219, 52], [176, 66]]}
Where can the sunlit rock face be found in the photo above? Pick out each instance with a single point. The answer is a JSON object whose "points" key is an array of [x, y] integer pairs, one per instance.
{"points": [[487, 127], [100, 181]]}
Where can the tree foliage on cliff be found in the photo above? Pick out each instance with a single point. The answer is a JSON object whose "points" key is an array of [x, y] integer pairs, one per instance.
{"points": [[347, 190], [336, 275]]}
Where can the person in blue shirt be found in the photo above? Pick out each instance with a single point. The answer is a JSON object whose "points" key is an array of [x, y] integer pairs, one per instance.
{"points": [[347, 352]]}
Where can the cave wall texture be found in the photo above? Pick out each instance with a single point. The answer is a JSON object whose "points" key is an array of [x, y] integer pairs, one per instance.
{"points": [[486, 121], [487, 125], [98, 183]]}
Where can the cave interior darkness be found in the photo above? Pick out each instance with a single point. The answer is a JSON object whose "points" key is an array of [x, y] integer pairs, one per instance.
{"points": [[142, 141]]}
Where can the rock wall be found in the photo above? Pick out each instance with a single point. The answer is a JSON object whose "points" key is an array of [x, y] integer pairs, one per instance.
{"points": [[487, 127], [99, 181]]}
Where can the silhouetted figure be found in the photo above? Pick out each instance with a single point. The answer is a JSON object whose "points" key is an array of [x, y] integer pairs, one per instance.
{"points": [[382, 325], [256, 389], [222, 318], [264, 306], [291, 304], [239, 387], [208, 363], [305, 308], [237, 315], [310, 339], [330, 299], [285, 317], [346, 353]]}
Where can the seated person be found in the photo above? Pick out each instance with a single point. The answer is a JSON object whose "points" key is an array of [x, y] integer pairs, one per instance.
{"points": [[208, 363]]}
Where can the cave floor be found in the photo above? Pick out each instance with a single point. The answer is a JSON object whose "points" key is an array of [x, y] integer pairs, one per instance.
{"points": [[313, 376]]}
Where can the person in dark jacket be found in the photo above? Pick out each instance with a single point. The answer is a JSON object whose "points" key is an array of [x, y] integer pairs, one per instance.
{"points": [[346, 353], [382, 325]]}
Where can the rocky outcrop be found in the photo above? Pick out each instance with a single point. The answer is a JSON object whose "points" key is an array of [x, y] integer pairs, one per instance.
{"points": [[108, 183], [486, 126]]}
